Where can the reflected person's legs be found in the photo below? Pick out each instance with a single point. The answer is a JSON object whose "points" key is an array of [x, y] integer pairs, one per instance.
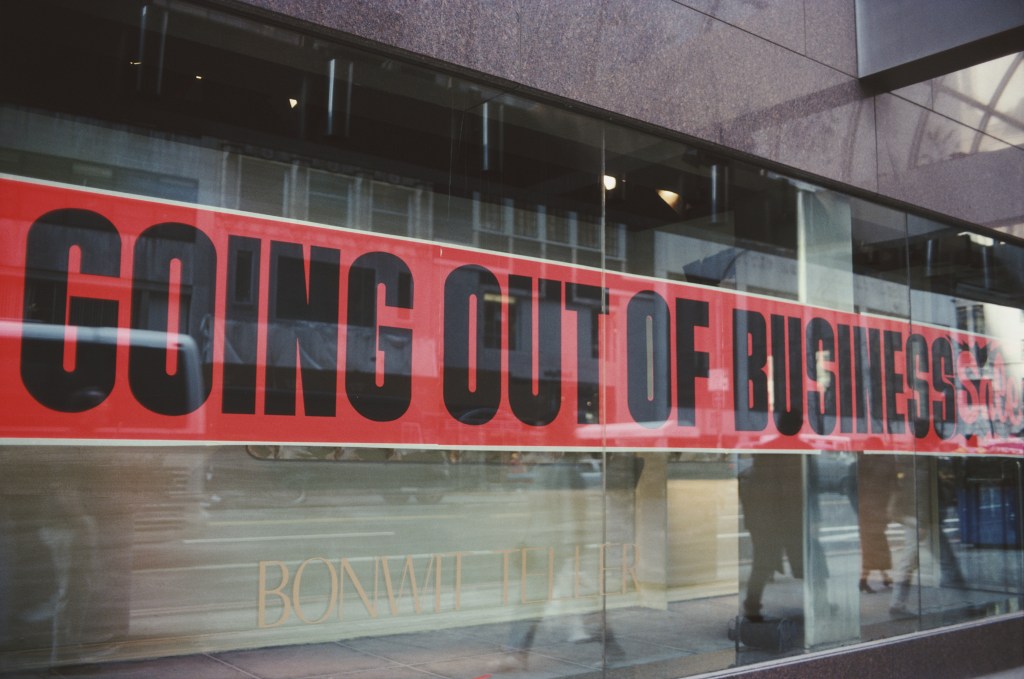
{"points": [[771, 493], [761, 572], [557, 512], [906, 564]]}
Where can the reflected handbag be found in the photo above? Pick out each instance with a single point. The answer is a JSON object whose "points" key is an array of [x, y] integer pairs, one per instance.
{"points": [[767, 633]]}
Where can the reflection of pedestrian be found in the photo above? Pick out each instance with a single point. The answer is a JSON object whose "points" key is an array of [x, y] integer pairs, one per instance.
{"points": [[771, 492], [903, 510], [558, 509], [911, 506], [67, 548], [876, 477]]}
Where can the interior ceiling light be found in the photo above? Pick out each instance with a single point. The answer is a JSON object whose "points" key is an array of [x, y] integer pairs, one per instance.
{"points": [[293, 102], [610, 182], [199, 77], [670, 197]]}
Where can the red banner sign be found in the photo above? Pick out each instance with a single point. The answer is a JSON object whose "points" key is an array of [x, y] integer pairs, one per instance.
{"points": [[129, 319]]}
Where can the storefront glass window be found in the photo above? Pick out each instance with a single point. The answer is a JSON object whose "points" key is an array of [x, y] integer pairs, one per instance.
{"points": [[962, 553], [310, 347]]}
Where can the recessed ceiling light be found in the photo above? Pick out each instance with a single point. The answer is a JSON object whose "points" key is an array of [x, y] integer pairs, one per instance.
{"points": [[670, 197]]}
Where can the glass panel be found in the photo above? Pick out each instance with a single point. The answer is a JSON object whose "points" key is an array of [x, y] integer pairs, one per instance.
{"points": [[303, 344], [690, 217], [969, 558], [884, 480]]}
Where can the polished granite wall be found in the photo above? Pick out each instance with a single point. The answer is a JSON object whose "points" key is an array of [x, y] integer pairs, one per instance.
{"points": [[776, 80]]}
